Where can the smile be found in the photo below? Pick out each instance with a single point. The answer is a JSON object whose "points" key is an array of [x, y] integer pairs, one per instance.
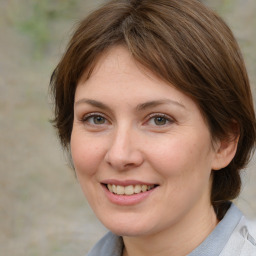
{"points": [[129, 190]]}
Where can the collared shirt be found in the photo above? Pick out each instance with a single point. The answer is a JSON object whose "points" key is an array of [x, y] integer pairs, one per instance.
{"points": [[229, 238]]}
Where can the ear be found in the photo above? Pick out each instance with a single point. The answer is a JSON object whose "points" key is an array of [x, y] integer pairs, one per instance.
{"points": [[225, 151]]}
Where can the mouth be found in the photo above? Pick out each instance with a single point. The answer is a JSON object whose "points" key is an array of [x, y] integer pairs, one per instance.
{"points": [[130, 189]]}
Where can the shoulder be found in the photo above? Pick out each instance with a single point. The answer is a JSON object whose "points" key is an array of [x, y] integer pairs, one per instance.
{"points": [[109, 245], [242, 242]]}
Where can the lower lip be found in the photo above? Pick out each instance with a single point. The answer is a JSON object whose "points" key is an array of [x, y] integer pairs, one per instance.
{"points": [[125, 200]]}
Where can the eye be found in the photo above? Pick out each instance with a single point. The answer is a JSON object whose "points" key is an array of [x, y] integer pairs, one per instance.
{"points": [[94, 119], [159, 120], [98, 120]]}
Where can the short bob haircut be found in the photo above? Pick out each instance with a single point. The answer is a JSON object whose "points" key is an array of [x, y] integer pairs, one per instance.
{"points": [[185, 44]]}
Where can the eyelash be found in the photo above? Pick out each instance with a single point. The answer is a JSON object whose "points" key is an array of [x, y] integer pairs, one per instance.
{"points": [[86, 118], [167, 118], [153, 116]]}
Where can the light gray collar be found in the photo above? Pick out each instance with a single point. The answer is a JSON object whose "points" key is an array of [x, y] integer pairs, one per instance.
{"points": [[216, 241]]}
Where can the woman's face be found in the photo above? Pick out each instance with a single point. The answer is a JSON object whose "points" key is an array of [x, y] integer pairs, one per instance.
{"points": [[141, 149]]}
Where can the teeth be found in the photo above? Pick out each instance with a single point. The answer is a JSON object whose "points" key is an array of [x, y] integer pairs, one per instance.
{"points": [[120, 190], [137, 189], [110, 188], [128, 190], [144, 188]]}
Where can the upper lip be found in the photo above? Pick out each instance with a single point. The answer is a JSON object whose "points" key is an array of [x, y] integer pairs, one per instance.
{"points": [[126, 182]]}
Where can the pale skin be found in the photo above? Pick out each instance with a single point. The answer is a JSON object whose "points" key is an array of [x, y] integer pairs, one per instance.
{"points": [[131, 127]]}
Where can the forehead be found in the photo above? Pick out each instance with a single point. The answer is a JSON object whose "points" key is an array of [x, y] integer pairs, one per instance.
{"points": [[117, 63], [116, 68], [114, 59], [117, 76]]}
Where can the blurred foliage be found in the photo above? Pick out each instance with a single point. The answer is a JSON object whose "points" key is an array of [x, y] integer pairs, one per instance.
{"points": [[35, 18], [221, 6]]}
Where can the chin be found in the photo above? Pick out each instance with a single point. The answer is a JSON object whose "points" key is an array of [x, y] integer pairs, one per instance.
{"points": [[129, 232], [122, 226], [131, 228]]}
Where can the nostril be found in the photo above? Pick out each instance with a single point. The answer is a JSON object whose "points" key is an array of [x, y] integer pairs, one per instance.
{"points": [[123, 152]]}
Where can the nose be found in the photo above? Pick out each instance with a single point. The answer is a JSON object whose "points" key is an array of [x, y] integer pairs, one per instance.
{"points": [[123, 152]]}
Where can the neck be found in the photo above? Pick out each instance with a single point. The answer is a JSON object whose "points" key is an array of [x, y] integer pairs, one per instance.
{"points": [[179, 240]]}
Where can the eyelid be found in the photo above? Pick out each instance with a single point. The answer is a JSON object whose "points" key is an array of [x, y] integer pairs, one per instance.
{"points": [[150, 118], [93, 114], [84, 117], [169, 118]]}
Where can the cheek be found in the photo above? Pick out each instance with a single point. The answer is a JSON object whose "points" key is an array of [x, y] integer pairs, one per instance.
{"points": [[181, 156], [185, 170], [168, 155], [86, 155]]}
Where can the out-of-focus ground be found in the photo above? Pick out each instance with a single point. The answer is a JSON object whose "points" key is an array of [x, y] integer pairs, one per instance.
{"points": [[42, 210]]}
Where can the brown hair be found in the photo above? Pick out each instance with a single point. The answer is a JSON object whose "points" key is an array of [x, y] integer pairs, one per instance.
{"points": [[185, 44]]}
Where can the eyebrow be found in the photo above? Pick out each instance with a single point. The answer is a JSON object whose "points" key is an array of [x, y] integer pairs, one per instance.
{"points": [[155, 103], [140, 107], [94, 103]]}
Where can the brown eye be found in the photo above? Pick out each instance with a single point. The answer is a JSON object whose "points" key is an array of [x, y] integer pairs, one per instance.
{"points": [[94, 119], [99, 120], [160, 120]]}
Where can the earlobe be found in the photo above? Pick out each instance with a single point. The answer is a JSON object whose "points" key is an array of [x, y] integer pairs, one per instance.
{"points": [[225, 152]]}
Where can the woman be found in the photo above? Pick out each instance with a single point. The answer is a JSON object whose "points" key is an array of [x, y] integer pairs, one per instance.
{"points": [[152, 101]]}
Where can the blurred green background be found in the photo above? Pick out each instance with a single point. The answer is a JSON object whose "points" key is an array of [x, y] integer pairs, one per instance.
{"points": [[42, 209]]}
